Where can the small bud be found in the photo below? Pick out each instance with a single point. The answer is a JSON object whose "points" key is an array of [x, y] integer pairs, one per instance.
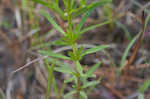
{"points": [[65, 14], [83, 6]]}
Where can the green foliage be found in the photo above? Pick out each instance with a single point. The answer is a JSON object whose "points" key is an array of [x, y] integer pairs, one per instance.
{"points": [[141, 96], [95, 49], [50, 70], [124, 57], [125, 54], [95, 26], [56, 55], [127, 34], [51, 20], [145, 86], [92, 69], [69, 94], [52, 5], [70, 35], [108, 11], [83, 9]]}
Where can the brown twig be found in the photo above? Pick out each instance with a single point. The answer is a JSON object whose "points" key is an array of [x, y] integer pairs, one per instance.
{"points": [[113, 90], [137, 46]]}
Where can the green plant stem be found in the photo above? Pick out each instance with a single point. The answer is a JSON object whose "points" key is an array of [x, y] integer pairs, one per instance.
{"points": [[74, 48], [78, 87]]}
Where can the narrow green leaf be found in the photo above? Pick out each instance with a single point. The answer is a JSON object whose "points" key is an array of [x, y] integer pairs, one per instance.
{"points": [[127, 33], [146, 21], [58, 63], [91, 83], [79, 11], [68, 95], [84, 95], [72, 4], [83, 2], [69, 80], [141, 96], [92, 69], [56, 90], [63, 69], [50, 77], [42, 2], [79, 67], [59, 43], [52, 5], [95, 26], [125, 54], [95, 49], [145, 86], [84, 18], [51, 20], [52, 54]]}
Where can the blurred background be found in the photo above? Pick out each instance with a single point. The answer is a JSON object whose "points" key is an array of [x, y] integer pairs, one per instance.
{"points": [[23, 32]]}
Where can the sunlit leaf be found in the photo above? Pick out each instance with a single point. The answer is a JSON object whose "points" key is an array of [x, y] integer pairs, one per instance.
{"points": [[51, 20], [69, 95], [84, 95], [92, 69], [91, 83], [79, 67], [145, 86], [56, 55], [63, 69], [79, 11], [94, 26], [94, 49], [125, 54]]}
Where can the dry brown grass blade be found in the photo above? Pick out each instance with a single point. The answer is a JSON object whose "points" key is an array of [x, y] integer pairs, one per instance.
{"points": [[111, 70], [140, 66], [113, 90], [137, 46]]}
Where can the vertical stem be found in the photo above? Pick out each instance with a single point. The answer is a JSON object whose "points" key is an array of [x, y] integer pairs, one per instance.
{"points": [[78, 87], [74, 48], [78, 74]]}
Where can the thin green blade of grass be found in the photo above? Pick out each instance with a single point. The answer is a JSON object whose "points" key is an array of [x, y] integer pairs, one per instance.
{"points": [[91, 70], [64, 69], [84, 18], [52, 54], [94, 26], [53, 6], [72, 4], [127, 33], [95, 49], [51, 20], [83, 95], [91, 83], [79, 67], [56, 89], [146, 21], [69, 94], [125, 54], [79, 11], [42, 2], [145, 86], [140, 96], [69, 80], [122, 64], [50, 77]]}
